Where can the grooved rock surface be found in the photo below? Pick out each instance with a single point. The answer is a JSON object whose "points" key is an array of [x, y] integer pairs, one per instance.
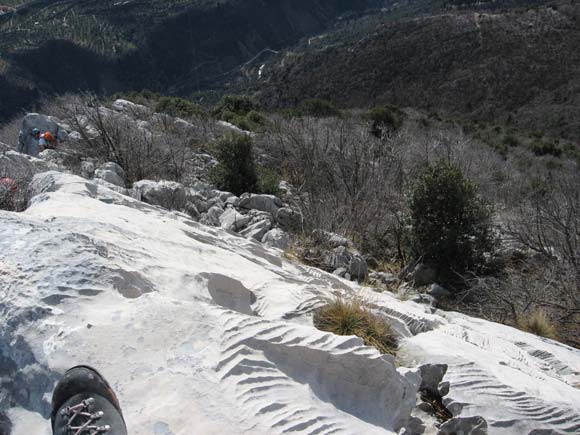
{"points": [[202, 331]]}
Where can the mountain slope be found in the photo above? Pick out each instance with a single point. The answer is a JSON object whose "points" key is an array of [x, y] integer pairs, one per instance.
{"points": [[175, 46], [201, 331], [517, 66]]}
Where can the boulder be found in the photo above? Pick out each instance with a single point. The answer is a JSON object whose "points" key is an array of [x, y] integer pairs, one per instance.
{"points": [[167, 194], [213, 216], [233, 201], [338, 257], [341, 271], [474, 425], [113, 187], [422, 275], [231, 220], [335, 241], [267, 203], [27, 143], [112, 173], [216, 202], [198, 200], [20, 166], [192, 210], [438, 292], [288, 219], [431, 377], [87, 169], [276, 238], [202, 187], [358, 268], [383, 277], [257, 230], [258, 216], [126, 106]]}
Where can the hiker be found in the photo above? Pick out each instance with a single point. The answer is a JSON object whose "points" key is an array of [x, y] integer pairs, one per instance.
{"points": [[28, 143], [47, 141], [83, 402]]}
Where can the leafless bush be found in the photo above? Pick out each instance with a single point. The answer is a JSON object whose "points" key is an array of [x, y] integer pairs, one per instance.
{"points": [[9, 132], [13, 188], [147, 147]]}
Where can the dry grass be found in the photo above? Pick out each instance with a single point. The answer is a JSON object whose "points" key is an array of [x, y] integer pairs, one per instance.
{"points": [[538, 323], [352, 318]]}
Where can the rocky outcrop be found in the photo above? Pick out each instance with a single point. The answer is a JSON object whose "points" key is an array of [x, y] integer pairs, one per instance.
{"points": [[213, 323], [111, 173], [167, 194]]}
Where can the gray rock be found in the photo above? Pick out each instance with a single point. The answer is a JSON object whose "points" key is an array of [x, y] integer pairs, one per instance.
{"points": [[192, 210], [258, 216], [113, 187], [231, 220], [431, 377], [233, 201], [198, 200], [216, 202], [28, 144], [126, 106], [257, 230], [116, 168], [341, 271], [22, 166], [202, 187], [288, 219], [110, 177], [421, 298], [213, 216], [336, 240], [422, 275], [338, 257], [438, 292], [87, 169], [383, 277], [276, 238], [167, 194], [358, 268], [267, 203], [474, 425]]}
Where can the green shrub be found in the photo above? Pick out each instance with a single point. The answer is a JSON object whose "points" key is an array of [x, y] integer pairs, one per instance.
{"points": [[176, 106], [451, 226], [510, 141], [353, 318], [236, 171], [387, 117], [268, 181], [571, 151], [544, 148], [235, 104], [317, 108], [240, 111]]}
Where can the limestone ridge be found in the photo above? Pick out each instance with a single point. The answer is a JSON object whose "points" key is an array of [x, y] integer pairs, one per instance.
{"points": [[186, 319]]}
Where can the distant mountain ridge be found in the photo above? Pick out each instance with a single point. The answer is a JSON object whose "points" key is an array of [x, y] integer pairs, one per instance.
{"points": [[180, 46]]}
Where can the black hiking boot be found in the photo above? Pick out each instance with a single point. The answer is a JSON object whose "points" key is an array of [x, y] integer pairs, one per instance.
{"points": [[83, 403]]}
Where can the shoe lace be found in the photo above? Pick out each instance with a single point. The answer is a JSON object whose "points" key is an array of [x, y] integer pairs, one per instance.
{"points": [[79, 421]]}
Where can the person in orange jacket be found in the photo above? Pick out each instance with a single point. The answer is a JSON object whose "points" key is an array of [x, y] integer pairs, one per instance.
{"points": [[47, 141]]}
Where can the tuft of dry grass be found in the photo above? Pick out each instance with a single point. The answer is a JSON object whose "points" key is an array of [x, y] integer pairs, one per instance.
{"points": [[352, 318], [538, 323]]}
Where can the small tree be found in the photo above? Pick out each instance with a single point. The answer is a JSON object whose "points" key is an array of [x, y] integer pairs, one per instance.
{"points": [[451, 226], [236, 171]]}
